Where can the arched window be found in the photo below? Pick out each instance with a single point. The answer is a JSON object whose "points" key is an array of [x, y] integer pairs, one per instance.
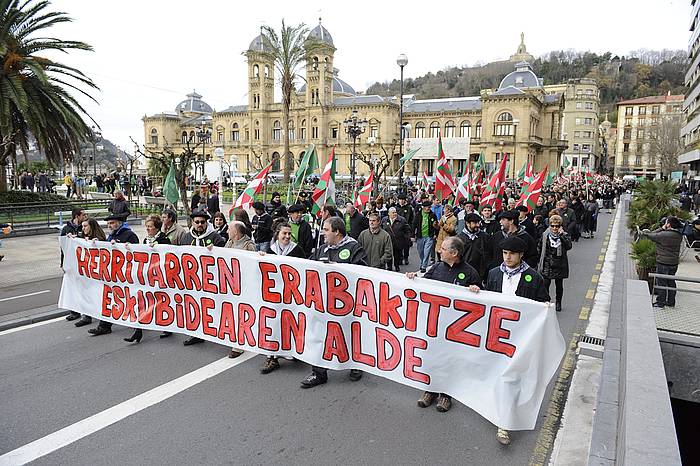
{"points": [[154, 136], [504, 125], [220, 131], [183, 137], [267, 71], [450, 129], [290, 134], [315, 63], [465, 129], [314, 128], [505, 116], [434, 129], [256, 71], [302, 131], [327, 64], [276, 130], [275, 161], [192, 136], [256, 131], [235, 134], [420, 129], [478, 130]]}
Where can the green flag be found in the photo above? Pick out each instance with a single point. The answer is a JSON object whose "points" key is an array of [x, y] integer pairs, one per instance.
{"points": [[566, 164], [521, 173], [549, 180], [408, 155], [480, 163], [170, 191], [308, 164]]}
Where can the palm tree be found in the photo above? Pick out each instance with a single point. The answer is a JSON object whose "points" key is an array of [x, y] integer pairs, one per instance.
{"points": [[35, 103], [288, 51]]}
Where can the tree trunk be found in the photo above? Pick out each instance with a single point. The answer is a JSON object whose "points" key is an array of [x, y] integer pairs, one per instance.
{"points": [[288, 160], [3, 177]]}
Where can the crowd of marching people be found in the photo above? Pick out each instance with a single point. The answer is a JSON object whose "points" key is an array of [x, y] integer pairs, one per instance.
{"points": [[507, 246]]}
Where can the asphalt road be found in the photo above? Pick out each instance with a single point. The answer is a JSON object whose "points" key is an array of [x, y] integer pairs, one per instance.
{"points": [[25, 296], [54, 375]]}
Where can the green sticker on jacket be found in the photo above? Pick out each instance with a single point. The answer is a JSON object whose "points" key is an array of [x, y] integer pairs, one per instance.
{"points": [[461, 276], [344, 254], [528, 278]]}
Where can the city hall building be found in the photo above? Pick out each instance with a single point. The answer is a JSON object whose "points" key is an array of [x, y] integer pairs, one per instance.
{"points": [[521, 118]]}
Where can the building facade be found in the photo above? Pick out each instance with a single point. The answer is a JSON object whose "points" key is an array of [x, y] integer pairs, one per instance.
{"points": [[691, 106], [639, 123], [580, 123], [521, 119]]}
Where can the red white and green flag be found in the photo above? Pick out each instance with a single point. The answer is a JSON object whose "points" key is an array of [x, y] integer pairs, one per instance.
{"points": [[365, 193], [444, 181], [493, 194], [529, 174], [475, 185], [463, 187], [531, 192], [589, 177], [247, 197], [425, 182], [324, 193]]}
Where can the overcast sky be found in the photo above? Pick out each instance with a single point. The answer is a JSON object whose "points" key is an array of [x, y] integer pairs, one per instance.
{"points": [[150, 53]]}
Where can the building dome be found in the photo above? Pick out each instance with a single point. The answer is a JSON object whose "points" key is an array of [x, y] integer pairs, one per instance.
{"points": [[321, 34], [193, 103], [522, 77], [339, 86], [258, 45]]}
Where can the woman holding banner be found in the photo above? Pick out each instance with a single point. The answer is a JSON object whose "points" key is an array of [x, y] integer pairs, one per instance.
{"points": [[154, 236], [281, 245]]}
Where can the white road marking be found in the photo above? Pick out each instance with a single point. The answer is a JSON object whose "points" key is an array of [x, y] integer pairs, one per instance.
{"points": [[92, 424], [26, 327], [25, 295]]}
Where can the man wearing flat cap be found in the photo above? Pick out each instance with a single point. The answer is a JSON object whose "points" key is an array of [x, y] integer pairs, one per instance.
{"points": [[515, 278], [477, 244], [407, 211], [301, 230], [509, 228], [262, 227]]}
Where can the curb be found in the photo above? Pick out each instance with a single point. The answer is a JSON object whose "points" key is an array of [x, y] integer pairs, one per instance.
{"points": [[34, 318]]}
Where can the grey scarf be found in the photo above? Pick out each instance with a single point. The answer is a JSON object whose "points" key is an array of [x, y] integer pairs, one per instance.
{"points": [[280, 250]]}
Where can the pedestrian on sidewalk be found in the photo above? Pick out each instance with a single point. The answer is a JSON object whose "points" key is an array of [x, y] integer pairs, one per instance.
{"points": [[554, 263], [668, 241]]}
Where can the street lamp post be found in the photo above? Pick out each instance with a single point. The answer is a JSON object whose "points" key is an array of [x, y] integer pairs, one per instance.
{"points": [[203, 135], [372, 141], [96, 137], [515, 142], [354, 127], [402, 61]]}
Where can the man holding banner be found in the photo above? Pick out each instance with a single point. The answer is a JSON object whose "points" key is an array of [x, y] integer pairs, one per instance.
{"points": [[339, 247], [450, 269]]}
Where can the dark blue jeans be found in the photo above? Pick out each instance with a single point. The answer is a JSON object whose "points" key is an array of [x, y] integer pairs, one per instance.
{"points": [[666, 297]]}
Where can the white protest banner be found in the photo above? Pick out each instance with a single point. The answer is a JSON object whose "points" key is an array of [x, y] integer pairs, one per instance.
{"points": [[493, 353]]}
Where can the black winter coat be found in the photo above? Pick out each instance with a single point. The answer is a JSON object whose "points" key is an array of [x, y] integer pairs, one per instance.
{"points": [[477, 252], [533, 289], [531, 256], [418, 221], [399, 231], [554, 266]]}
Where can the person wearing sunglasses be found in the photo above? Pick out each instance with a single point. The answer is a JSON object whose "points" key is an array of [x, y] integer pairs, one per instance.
{"points": [[554, 263]]}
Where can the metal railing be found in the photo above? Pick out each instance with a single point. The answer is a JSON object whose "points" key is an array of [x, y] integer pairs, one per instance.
{"points": [[656, 286], [38, 215]]}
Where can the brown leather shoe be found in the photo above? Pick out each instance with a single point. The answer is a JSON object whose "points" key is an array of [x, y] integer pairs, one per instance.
{"points": [[427, 399], [234, 353], [271, 364]]}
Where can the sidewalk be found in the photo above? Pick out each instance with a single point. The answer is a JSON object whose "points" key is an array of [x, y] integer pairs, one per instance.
{"points": [[34, 258], [685, 316]]}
